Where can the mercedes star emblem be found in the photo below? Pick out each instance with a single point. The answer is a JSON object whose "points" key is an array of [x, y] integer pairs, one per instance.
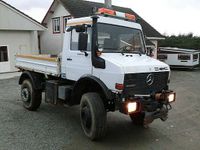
{"points": [[150, 79]]}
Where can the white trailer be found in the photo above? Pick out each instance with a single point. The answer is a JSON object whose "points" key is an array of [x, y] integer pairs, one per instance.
{"points": [[179, 58]]}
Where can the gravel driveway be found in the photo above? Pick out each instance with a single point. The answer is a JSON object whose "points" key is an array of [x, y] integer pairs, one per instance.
{"points": [[58, 127]]}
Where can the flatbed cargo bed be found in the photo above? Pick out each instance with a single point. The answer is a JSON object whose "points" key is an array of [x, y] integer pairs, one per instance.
{"points": [[46, 64]]}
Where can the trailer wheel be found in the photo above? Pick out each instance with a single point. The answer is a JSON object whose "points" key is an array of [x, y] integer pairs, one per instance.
{"points": [[31, 98], [93, 116], [138, 118]]}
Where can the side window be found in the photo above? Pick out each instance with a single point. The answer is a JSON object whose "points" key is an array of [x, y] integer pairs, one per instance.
{"points": [[195, 56], [184, 57], [89, 31], [162, 56], [74, 40], [56, 25], [3, 53]]}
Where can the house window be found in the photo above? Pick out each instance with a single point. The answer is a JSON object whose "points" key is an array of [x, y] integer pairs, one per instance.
{"points": [[65, 19], [3, 53], [56, 25]]}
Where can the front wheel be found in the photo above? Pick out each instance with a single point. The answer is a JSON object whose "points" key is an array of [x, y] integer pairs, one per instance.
{"points": [[31, 98], [93, 116]]}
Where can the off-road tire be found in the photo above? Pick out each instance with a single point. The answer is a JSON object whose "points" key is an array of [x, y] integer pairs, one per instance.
{"points": [[95, 126], [31, 98]]}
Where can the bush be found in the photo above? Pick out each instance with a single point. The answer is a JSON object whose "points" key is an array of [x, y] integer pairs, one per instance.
{"points": [[188, 41]]}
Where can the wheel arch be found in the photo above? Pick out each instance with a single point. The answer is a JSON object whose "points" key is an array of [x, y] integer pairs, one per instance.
{"points": [[89, 83], [36, 79]]}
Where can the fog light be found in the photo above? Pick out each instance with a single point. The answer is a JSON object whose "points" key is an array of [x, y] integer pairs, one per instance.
{"points": [[168, 96], [171, 98], [132, 107]]}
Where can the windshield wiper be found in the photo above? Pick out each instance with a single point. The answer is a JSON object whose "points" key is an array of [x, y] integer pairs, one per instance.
{"points": [[129, 49]]}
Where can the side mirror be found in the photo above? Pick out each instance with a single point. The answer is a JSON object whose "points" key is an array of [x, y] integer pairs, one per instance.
{"points": [[70, 29], [82, 41], [80, 28]]}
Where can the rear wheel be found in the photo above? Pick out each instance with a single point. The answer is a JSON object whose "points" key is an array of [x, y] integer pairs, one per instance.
{"points": [[31, 98], [93, 116], [138, 118]]}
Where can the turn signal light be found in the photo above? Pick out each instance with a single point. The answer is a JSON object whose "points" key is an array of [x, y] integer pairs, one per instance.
{"points": [[98, 53], [107, 11], [119, 86], [130, 17]]}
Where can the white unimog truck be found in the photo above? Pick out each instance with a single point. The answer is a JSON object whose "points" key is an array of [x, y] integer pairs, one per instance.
{"points": [[103, 67]]}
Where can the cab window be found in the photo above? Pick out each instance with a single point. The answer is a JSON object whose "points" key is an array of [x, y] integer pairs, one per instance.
{"points": [[74, 40]]}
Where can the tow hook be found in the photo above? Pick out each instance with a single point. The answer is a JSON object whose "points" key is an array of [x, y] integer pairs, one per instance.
{"points": [[159, 113]]}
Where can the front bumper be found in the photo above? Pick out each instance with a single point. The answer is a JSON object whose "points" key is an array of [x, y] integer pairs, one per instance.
{"points": [[154, 107]]}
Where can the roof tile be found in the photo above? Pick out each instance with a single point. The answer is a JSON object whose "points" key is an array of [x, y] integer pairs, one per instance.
{"points": [[80, 8]]}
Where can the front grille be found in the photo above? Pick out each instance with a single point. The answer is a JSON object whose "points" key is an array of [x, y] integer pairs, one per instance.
{"points": [[136, 84]]}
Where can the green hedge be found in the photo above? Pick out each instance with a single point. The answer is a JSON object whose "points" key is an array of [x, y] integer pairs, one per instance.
{"points": [[188, 41]]}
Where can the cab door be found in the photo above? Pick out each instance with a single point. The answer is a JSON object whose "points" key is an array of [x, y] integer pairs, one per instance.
{"points": [[78, 63]]}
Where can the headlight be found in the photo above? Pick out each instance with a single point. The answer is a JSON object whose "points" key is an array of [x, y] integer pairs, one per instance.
{"points": [[132, 107]]}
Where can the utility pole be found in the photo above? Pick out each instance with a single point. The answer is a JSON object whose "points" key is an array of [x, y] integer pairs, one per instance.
{"points": [[108, 4]]}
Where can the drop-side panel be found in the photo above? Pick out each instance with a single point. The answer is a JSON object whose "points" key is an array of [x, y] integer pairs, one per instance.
{"points": [[39, 63]]}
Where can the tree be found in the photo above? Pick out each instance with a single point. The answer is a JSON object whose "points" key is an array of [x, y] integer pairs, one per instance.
{"points": [[188, 41]]}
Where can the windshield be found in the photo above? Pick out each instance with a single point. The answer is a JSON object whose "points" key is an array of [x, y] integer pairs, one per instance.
{"points": [[119, 39]]}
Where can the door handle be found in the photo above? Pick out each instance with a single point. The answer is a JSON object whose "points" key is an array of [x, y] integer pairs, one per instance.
{"points": [[83, 54], [69, 59]]}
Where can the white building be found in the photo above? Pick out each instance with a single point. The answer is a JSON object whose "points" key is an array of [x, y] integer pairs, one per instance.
{"points": [[61, 10], [18, 35]]}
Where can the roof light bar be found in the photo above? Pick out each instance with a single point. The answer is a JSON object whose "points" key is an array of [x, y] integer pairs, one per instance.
{"points": [[130, 17], [106, 11]]}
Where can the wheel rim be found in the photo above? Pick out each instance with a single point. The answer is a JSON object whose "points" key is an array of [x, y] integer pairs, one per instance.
{"points": [[25, 95], [86, 118]]}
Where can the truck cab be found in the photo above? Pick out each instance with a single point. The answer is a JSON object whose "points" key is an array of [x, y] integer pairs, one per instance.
{"points": [[103, 67], [119, 51]]}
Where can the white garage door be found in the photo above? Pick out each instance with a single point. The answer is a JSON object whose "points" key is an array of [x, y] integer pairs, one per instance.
{"points": [[4, 59]]}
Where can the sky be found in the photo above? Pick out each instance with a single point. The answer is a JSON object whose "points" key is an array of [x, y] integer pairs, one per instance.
{"points": [[169, 17]]}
